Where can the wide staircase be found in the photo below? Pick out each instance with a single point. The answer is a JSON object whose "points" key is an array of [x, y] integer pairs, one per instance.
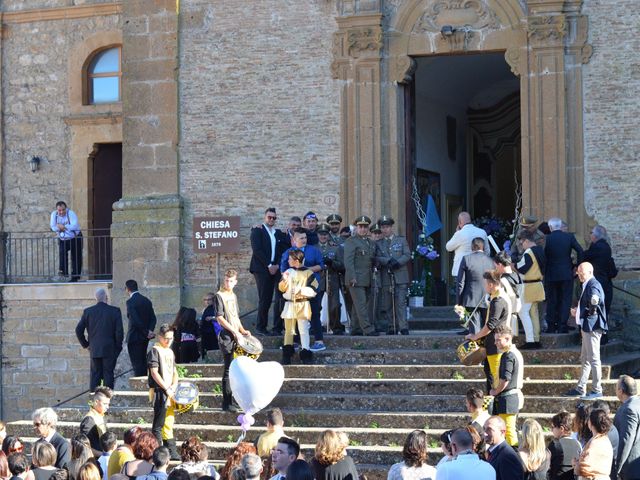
{"points": [[377, 389]]}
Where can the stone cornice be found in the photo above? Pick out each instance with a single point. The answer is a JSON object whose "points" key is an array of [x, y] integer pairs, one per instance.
{"points": [[94, 119], [65, 13]]}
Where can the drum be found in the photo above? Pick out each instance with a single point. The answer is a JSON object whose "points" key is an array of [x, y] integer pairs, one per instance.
{"points": [[471, 353], [247, 347], [187, 397]]}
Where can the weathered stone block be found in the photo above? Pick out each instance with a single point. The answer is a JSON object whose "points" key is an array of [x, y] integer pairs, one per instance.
{"points": [[31, 351], [156, 181], [149, 71], [28, 378]]}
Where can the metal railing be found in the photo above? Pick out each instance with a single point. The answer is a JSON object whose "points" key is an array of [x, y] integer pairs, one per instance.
{"points": [[35, 256]]}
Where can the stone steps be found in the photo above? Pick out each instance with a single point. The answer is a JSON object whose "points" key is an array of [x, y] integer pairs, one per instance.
{"points": [[398, 386], [421, 339], [360, 354], [361, 401], [294, 417], [552, 372]]}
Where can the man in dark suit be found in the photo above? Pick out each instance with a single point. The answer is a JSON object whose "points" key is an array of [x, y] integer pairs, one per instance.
{"points": [[627, 421], [103, 323], [470, 291], [591, 316], [142, 321], [502, 457], [558, 276], [267, 245], [44, 426], [604, 267]]}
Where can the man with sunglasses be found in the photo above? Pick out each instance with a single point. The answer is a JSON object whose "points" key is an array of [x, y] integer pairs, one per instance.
{"points": [[44, 426], [267, 245]]}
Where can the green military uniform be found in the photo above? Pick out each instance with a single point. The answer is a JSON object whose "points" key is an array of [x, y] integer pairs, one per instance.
{"points": [[330, 280], [526, 227], [377, 314], [359, 253], [393, 254]]}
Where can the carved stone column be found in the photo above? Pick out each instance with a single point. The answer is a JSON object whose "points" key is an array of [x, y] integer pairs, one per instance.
{"points": [[358, 64], [553, 177]]}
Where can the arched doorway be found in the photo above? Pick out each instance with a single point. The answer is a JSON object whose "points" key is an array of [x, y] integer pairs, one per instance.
{"points": [[375, 52]]}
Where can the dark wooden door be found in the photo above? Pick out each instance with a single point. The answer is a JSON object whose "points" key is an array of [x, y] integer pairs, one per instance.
{"points": [[107, 189]]}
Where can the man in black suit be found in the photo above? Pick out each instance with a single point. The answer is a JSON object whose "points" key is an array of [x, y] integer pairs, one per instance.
{"points": [[591, 316], [470, 291], [103, 323], [142, 321], [604, 267], [502, 457], [627, 421], [44, 426], [267, 245], [558, 276]]}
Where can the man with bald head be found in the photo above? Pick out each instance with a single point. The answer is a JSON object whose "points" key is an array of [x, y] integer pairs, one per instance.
{"points": [[502, 457], [103, 324], [460, 243], [591, 316]]}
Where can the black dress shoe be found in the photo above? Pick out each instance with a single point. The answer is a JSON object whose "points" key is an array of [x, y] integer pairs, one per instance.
{"points": [[527, 346], [373, 334], [391, 331], [404, 331], [357, 334], [338, 332]]}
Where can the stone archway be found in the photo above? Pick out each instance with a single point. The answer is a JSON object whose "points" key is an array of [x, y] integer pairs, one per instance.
{"points": [[545, 45]]}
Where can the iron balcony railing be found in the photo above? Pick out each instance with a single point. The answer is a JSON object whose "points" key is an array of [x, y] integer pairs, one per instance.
{"points": [[35, 257]]}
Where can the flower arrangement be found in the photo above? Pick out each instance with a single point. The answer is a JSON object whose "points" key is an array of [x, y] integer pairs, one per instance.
{"points": [[463, 315], [499, 228], [424, 253]]}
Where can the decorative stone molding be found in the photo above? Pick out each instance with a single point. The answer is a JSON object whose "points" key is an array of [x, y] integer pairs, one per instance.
{"points": [[363, 41], [474, 14], [547, 28], [108, 118], [512, 56], [64, 13], [401, 69], [357, 7], [585, 53]]}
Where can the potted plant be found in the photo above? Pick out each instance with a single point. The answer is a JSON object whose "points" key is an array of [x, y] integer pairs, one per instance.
{"points": [[416, 294]]}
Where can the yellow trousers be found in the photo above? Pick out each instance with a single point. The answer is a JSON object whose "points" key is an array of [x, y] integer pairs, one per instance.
{"points": [[494, 367], [169, 420], [512, 431]]}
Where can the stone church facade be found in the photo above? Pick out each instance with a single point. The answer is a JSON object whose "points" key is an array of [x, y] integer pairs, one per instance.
{"points": [[228, 107]]}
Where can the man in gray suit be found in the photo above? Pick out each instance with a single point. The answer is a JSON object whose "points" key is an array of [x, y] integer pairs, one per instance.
{"points": [[627, 421], [470, 284]]}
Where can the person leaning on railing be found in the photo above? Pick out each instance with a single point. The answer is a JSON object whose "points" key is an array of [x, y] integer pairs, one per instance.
{"points": [[64, 222]]}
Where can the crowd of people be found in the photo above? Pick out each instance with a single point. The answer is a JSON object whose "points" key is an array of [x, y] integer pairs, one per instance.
{"points": [[585, 444]]}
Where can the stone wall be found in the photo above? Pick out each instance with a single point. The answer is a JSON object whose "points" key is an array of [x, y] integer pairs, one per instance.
{"points": [[612, 138], [35, 81], [42, 361], [259, 117]]}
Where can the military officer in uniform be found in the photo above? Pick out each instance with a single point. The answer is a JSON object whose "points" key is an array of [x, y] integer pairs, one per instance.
{"points": [[330, 280], [359, 253], [334, 220], [377, 316], [393, 255]]}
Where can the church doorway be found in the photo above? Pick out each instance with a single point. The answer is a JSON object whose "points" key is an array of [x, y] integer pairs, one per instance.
{"points": [[466, 145], [105, 180]]}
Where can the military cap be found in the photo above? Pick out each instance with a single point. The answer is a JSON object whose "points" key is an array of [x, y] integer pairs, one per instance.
{"points": [[375, 228], [334, 218], [323, 228], [385, 220], [528, 220], [309, 215], [362, 220]]}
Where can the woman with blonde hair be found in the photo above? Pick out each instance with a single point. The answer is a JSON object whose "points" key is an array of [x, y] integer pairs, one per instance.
{"points": [[89, 471], [533, 451], [331, 461]]}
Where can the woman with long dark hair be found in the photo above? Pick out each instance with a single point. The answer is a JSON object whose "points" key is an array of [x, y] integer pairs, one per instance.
{"points": [[414, 455], [185, 344]]}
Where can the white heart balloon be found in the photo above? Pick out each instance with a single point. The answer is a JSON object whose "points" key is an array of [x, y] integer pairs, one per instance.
{"points": [[255, 384]]}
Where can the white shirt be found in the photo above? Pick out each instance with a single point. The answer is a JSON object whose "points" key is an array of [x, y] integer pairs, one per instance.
{"points": [[272, 237], [400, 471], [70, 221], [460, 243], [465, 466]]}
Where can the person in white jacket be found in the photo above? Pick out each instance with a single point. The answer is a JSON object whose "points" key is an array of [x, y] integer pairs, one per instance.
{"points": [[460, 243]]}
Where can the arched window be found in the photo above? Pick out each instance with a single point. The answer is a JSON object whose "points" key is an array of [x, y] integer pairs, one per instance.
{"points": [[104, 75]]}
